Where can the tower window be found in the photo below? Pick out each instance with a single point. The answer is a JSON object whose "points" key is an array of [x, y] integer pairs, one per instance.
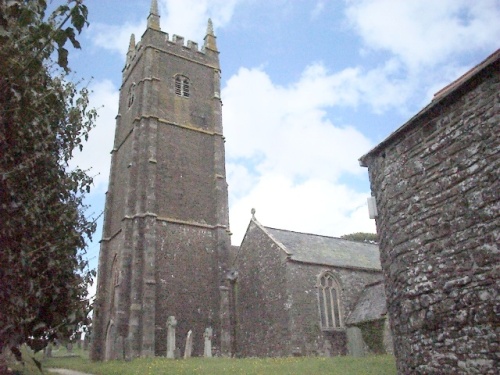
{"points": [[131, 94], [182, 86], [329, 302]]}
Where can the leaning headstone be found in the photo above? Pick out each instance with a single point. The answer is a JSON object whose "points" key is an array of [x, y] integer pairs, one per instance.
{"points": [[208, 342], [189, 345], [171, 324]]}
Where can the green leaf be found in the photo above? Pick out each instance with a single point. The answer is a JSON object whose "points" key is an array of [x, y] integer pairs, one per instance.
{"points": [[77, 19], [62, 58], [70, 32], [60, 37]]}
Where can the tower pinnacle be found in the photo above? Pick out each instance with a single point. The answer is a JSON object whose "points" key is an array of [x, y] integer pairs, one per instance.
{"points": [[154, 16], [210, 37], [131, 48]]}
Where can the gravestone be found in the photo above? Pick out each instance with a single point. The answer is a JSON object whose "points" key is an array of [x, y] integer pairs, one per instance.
{"points": [[189, 345], [171, 324], [120, 347], [208, 342], [86, 342], [47, 352], [355, 344], [127, 352]]}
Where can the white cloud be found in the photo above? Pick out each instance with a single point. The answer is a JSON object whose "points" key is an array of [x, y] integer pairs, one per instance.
{"points": [[187, 18], [424, 33], [286, 158], [95, 155], [116, 38], [314, 206]]}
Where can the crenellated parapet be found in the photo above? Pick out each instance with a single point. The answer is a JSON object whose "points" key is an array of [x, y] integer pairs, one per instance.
{"points": [[158, 40], [176, 45]]}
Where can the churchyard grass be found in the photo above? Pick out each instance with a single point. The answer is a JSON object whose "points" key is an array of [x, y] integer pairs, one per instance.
{"points": [[373, 365]]}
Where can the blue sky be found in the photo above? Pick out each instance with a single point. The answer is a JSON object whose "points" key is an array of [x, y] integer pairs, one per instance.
{"points": [[308, 87]]}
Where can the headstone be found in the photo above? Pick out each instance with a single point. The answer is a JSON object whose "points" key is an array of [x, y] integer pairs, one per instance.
{"points": [[189, 345], [119, 350], [48, 351], [171, 324], [355, 343], [208, 342], [127, 352], [69, 347], [86, 342], [177, 353]]}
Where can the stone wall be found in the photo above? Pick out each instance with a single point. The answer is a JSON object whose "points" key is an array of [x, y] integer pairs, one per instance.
{"points": [[262, 326], [187, 285], [437, 189], [302, 305], [278, 313]]}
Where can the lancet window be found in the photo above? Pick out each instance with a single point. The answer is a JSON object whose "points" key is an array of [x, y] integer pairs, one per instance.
{"points": [[329, 302]]}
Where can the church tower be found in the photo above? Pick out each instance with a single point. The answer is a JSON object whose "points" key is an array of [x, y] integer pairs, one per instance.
{"points": [[166, 236]]}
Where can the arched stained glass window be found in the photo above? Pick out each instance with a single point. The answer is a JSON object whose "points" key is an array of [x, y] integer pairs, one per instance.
{"points": [[329, 301]]}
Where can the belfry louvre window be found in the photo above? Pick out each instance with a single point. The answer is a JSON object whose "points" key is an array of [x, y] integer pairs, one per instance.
{"points": [[182, 86], [329, 302]]}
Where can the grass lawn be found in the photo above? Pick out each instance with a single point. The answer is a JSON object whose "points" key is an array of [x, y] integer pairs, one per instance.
{"points": [[373, 365]]}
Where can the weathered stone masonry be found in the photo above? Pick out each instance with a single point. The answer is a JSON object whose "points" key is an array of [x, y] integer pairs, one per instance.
{"points": [[277, 289], [436, 182], [166, 232]]}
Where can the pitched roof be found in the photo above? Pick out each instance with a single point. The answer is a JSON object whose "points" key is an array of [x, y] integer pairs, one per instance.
{"points": [[331, 251], [370, 306]]}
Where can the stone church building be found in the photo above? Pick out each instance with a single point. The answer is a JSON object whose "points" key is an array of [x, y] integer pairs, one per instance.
{"points": [[306, 294], [166, 250]]}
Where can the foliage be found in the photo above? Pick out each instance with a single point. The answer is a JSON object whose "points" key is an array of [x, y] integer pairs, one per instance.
{"points": [[44, 231], [373, 335], [344, 365], [361, 237]]}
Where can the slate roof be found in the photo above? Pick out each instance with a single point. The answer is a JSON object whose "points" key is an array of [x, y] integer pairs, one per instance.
{"points": [[370, 306], [322, 250]]}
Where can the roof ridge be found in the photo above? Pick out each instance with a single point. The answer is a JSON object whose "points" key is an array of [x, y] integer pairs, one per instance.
{"points": [[318, 235]]}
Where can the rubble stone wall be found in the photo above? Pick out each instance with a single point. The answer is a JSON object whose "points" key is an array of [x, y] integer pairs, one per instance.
{"points": [[437, 189]]}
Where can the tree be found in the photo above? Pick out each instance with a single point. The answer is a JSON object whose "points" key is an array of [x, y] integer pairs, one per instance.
{"points": [[361, 237], [44, 230]]}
